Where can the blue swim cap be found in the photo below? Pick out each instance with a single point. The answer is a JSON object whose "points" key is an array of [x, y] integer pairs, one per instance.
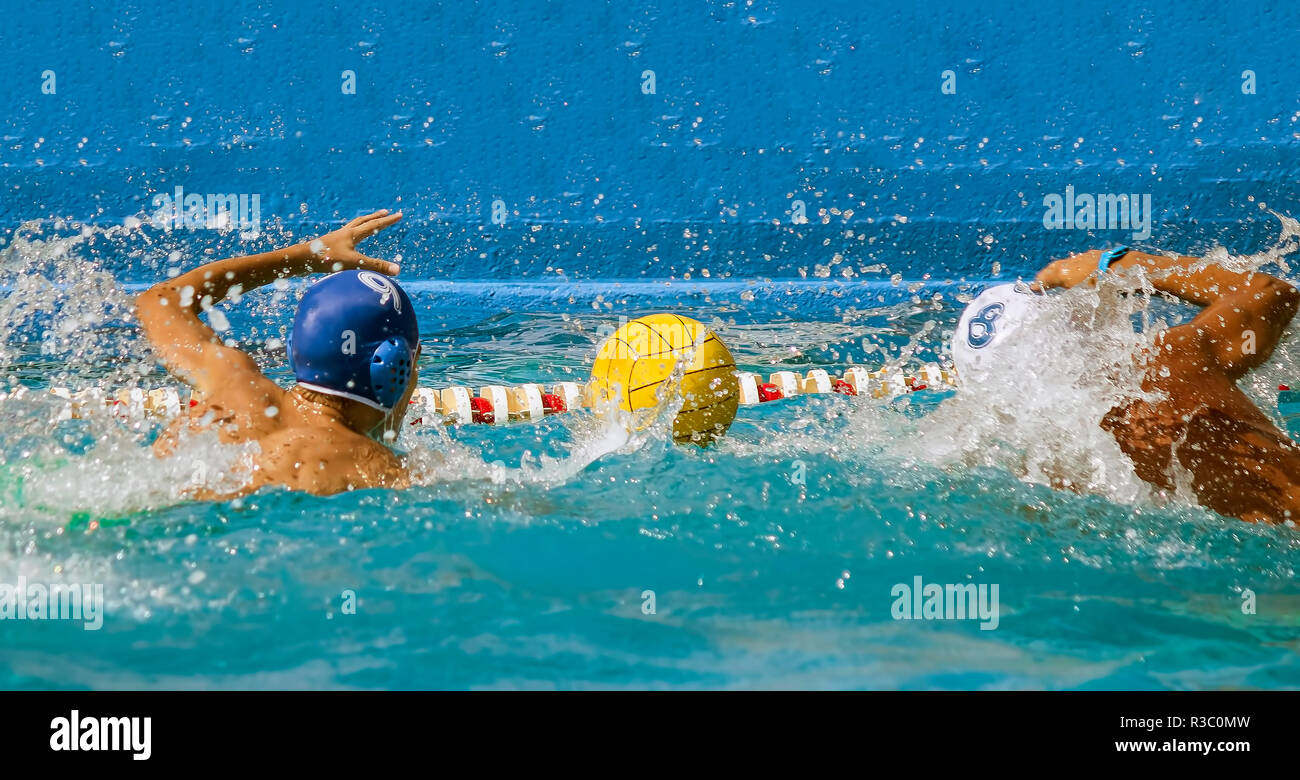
{"points": [[355, 336]]}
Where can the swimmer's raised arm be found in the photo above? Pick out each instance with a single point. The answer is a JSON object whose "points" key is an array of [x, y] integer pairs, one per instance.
{"points": [[1240, 308], [169, 311], [1188, 278]]}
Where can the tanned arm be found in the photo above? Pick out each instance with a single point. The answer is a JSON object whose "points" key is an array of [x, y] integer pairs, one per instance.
{"points": [[1244, 315], [191, 350]]}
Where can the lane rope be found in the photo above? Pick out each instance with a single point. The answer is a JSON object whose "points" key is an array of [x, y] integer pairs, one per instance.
{"points": [[501, 404]]}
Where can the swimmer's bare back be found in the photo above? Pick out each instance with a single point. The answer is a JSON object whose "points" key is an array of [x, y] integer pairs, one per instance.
{"points": [[305, 441], [1240, 464]]}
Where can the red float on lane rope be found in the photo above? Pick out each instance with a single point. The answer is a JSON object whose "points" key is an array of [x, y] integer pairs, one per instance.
{"points": [[481, 410]]}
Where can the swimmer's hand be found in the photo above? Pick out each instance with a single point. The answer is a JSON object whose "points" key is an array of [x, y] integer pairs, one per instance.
{"points": [[1071, 271], [336, 251]]}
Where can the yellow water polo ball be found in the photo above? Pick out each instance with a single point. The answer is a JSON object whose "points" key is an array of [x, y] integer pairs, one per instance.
{"points": [[635, 362]]}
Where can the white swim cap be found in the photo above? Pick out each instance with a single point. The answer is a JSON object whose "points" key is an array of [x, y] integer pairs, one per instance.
{"points": [[987, 321]]}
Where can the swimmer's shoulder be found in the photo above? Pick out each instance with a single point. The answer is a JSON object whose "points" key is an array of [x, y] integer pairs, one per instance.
{"points": [[328, 462], [241, 410]]}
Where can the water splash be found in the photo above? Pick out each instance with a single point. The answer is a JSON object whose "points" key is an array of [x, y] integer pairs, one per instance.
{"points": [[62, 316]]}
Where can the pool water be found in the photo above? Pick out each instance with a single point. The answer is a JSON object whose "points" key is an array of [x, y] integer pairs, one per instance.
{"points": [[566, 554]]}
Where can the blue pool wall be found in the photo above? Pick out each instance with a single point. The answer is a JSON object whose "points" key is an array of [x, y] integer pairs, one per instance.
{"points": [[546, 108]]}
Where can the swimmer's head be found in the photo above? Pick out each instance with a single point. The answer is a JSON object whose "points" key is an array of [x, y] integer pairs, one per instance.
{"points": [[355, 336], [986, 324]]}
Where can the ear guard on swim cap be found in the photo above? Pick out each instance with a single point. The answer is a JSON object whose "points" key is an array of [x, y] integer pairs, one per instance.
{"points": [[354, 336], [390, 370]]}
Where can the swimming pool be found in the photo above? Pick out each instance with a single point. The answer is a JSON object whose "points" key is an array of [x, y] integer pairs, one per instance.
{"points": [[531, 554], [562, 553]]}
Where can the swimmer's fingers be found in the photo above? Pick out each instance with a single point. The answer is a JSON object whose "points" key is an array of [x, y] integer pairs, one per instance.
{"points": [[375, 264], [352, 260], [364, 218], [1071, 271], [1048, 278], [337, 250], [365, 227]]}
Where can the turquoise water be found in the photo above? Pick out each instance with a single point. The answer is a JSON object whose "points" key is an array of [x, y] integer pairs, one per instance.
{"points": [[524, 559]]}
